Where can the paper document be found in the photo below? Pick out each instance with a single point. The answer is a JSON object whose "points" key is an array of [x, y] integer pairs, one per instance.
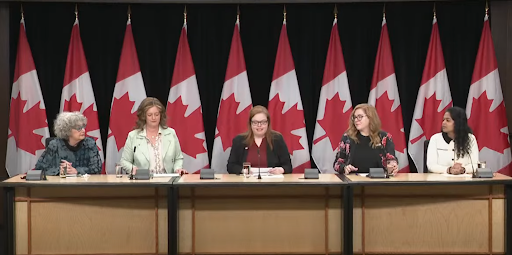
{"points": [[264, 173], [165, 175]]}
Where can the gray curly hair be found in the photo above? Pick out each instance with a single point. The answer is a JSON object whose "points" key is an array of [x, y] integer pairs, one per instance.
{"points": [[66, 121]]}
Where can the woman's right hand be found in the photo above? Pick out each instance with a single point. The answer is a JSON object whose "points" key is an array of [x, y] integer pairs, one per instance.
{"points": [[134, 170], [349, 168]]}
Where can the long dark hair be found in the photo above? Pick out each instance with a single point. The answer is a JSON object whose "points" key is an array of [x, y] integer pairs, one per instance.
{"points": [[461, 130]]}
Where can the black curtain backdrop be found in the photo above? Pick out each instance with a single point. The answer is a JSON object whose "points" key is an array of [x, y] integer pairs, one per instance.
{"points": [[156, 29]]}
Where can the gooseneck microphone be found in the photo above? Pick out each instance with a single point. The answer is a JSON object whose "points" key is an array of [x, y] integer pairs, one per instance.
{"points": [[133, 162], [474, 174], [259, 165]]}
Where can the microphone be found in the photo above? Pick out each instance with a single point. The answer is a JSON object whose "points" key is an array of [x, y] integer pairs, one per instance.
{"points": [[133, 162], [259, 165], [474, 174]]}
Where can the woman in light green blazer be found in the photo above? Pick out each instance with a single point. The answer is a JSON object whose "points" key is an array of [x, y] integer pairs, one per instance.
{"points": [[152, 145]]}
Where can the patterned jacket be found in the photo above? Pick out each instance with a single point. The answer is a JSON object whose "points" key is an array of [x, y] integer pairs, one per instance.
{"points": [[86, 159], [386, 146]]}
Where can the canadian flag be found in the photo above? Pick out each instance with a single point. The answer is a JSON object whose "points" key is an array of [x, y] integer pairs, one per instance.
{"points": [[485, 107], [235, 104], [28, 127], [434, 98], [285, 105], [128, 94], [77, 94], [184, 108], [334, 107], [384, 96]]}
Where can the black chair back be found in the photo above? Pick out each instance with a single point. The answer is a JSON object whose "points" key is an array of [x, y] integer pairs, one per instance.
{"points": [[48, 140], [425, 147]]}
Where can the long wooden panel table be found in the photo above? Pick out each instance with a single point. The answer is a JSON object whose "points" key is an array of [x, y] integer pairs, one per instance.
{"points": [[405, 214], [431, 214], [237, 215], [100, 214]]}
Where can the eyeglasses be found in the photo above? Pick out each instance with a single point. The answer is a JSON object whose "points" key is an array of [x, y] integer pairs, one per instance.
{"points": [[80, 128], [358, 117], [258, 123]]}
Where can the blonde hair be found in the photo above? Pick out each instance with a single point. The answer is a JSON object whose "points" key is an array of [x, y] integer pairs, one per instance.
{"points": [[374, 125], [144, 106]]}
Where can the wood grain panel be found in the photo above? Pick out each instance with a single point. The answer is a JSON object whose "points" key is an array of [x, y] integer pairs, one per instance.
{"points": [[49, 192], [498, 225], [444, 190], [102, 226], [21, 226], [185, 226], [426, 225], [258, 225], [259, 191]]}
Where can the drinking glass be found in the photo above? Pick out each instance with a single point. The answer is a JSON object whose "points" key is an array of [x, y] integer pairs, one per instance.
{"points": [[246, 169], [119, 170]]}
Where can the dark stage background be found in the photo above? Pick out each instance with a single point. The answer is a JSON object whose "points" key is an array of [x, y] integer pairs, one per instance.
{"points": [[156, 29]]}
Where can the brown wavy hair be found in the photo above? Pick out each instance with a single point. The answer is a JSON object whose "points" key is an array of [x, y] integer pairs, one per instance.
{"points": [[374, 125], [249, 135], [144, 106]]}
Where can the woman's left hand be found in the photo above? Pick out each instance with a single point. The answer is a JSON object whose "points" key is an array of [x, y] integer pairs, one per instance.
{"points": [[181, 171], [276, 170], [392, 167]]}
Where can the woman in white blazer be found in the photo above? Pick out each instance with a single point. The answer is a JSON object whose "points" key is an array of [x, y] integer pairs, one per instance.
{"points": [[454, 150], [152, 145]]}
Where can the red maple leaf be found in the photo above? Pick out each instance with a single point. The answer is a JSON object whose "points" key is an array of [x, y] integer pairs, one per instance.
{"points": [[186, 127], [431, 119], [487, 125], [72, 105], [22, 125], [394, 125], [333, 118], [229, 123], [121, 119], [286, 122]]}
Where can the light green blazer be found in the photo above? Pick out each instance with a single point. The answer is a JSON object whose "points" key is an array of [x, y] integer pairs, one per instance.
{"points": [[172, 157]]}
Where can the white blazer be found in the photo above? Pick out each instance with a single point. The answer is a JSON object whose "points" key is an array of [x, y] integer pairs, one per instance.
{"points": [[441, 154]]}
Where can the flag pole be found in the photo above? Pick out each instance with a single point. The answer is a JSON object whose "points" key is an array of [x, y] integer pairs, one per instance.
{"points": [[238, 13], [284, 13], [76, 12], [335, 11], [21, 11], [185, 15], [129, 13]]}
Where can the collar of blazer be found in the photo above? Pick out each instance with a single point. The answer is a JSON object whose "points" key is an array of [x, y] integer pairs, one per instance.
{"points": [[166, 136]]}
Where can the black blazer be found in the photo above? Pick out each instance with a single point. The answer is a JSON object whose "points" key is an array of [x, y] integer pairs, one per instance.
{"points": [[278, 157]]}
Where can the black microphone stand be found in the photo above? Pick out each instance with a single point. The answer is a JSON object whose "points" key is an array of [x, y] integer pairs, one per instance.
{"points": [[259, 165]]}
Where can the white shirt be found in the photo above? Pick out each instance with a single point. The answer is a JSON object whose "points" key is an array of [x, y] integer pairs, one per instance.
{"points": [[441, 154]]}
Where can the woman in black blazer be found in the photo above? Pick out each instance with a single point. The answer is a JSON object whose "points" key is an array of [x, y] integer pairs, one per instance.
{"points": [[260, 145]]}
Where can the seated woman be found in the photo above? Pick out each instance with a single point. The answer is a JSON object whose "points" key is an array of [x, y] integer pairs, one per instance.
{"points": [[152, 145], [454, 150], [260, 140], [71, 150], [365, 145]]}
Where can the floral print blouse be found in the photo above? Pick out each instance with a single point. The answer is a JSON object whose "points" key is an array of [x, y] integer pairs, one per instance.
{"points": [[385, 150]]}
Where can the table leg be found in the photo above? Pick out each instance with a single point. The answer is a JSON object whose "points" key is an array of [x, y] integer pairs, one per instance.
{"points": [[348, 223]]}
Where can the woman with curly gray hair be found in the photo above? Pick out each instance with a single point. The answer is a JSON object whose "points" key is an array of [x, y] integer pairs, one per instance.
{"points": [[71, 148]]}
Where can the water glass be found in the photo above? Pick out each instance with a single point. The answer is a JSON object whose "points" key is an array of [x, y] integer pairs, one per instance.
{"points": [[246, 169], [482, 164], [63, 171], [119, 170]]}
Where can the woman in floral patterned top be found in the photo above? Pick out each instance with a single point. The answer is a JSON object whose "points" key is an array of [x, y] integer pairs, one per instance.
{"points": [[365, 145]]}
